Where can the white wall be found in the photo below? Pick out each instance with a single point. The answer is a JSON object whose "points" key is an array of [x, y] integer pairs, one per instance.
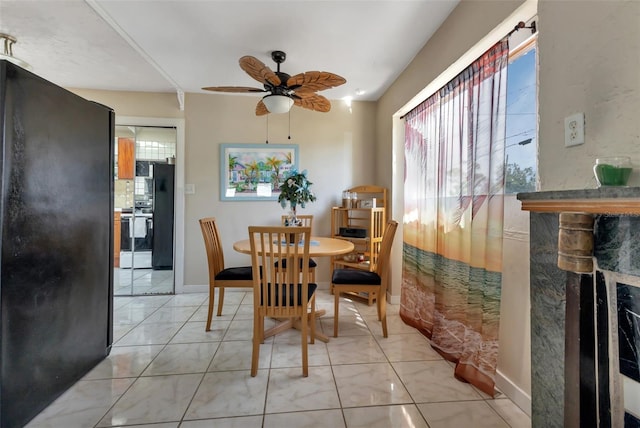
{"points": [[336, 148], [145, 104], [589, 62]]}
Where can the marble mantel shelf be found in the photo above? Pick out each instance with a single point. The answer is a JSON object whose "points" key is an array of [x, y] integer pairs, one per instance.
{"points": [[604, 200], [570, 314]]}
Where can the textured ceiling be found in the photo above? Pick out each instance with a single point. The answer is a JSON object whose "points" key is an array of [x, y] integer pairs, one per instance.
{"points": [[169, 46]]}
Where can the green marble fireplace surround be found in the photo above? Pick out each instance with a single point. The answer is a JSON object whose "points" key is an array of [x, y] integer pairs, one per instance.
{"points": [[580, 374]]}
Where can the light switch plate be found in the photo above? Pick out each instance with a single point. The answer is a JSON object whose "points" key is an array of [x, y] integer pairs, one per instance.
{"points": [[574, 130], [189, 189]]}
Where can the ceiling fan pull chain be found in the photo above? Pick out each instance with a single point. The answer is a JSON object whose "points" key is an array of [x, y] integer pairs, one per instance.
{"points": [[289, 137], [267, 142]]}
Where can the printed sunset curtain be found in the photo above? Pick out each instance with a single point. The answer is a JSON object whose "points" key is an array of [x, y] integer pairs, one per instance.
{"points": [[453, 217]]}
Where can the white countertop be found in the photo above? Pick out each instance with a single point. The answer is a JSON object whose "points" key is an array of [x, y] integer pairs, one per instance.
{"points": [[129, 215]]}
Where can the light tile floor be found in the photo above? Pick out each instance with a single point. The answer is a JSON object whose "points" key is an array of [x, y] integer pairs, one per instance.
{"points": [[165, 371], [128, 282]]}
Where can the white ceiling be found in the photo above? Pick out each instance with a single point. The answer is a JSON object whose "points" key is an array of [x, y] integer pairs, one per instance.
{"points": [[181, 45]]}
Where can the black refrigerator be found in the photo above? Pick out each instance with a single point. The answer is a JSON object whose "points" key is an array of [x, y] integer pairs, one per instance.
{"points": [[56, 220], [163, 203]]}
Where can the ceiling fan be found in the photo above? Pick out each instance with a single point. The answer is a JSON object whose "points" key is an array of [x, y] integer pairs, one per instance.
{"points": [[284, 90]]}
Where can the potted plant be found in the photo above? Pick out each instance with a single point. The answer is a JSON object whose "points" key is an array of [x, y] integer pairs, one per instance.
{"points": [[296, 191]]}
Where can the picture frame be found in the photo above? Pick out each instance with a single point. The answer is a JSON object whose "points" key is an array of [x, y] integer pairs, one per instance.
{"points": [[253, 172]]}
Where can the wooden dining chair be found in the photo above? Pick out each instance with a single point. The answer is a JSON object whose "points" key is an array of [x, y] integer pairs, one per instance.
{"points": [[279, 292], [374, 281], [219, 276], [307, 221]]}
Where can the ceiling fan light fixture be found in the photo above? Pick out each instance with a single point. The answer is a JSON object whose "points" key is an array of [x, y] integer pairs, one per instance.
{"points": [[7, 51], [278, 103]]}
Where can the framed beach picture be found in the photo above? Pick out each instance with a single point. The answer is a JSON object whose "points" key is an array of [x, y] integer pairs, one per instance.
{"points": [[251, 172]]}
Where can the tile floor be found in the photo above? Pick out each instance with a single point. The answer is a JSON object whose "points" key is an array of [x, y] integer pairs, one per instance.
{"points": [[141, 259], [165, 371], [128, 282]]}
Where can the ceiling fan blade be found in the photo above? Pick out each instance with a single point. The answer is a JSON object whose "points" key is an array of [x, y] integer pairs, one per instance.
{"points": [[261, 109], [233, 89], [256, 69], [313, 102], [303, 93], [312, 81]]}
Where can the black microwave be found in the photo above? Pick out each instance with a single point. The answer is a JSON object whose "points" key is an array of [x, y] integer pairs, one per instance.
{"points": [[142, 168]]}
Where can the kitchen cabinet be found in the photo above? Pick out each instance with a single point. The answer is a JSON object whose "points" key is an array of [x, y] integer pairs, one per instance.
{"points": [[126, 158], [363, 224]]}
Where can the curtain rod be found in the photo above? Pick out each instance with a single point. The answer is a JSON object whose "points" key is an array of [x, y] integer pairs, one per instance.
{"points": [[519, 26]]}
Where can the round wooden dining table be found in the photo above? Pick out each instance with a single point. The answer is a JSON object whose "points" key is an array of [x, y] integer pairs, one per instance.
{"points": [[318, 247]]}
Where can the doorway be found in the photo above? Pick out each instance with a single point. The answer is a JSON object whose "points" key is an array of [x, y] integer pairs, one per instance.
{"points": [[144, 203]]}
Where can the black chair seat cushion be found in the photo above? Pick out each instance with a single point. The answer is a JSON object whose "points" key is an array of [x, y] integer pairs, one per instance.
{"points": [[312, 263], [281, 298], [355, 277], [241, 273]]}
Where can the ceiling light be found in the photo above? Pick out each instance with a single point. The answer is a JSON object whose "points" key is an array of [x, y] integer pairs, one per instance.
{"points": [[7, 52], [277, 103]]}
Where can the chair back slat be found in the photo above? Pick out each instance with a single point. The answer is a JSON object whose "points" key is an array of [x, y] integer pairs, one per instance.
{"points": [[213, 245], [378, 229], [279, 291], [384, 257], [306, 219]]}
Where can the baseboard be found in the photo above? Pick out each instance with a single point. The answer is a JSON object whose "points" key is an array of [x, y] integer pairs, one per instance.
{"points": [[323, 285], [515, 393], [195, 289], [393, 299]]}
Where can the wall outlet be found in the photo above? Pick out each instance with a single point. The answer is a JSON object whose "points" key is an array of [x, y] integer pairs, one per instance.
{"points": [[574, 130]]}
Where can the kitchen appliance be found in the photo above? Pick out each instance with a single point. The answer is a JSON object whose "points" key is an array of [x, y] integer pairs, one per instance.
{"points": [[353, 232], [56, 273], [142, 168], [138, 228], [163, 214]]}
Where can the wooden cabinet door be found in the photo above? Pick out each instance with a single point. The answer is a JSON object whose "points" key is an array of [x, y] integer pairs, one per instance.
{"points": [[126, 161]]}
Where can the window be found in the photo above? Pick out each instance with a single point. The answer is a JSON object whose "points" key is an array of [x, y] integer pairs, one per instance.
{"points": [[522, 119]]}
